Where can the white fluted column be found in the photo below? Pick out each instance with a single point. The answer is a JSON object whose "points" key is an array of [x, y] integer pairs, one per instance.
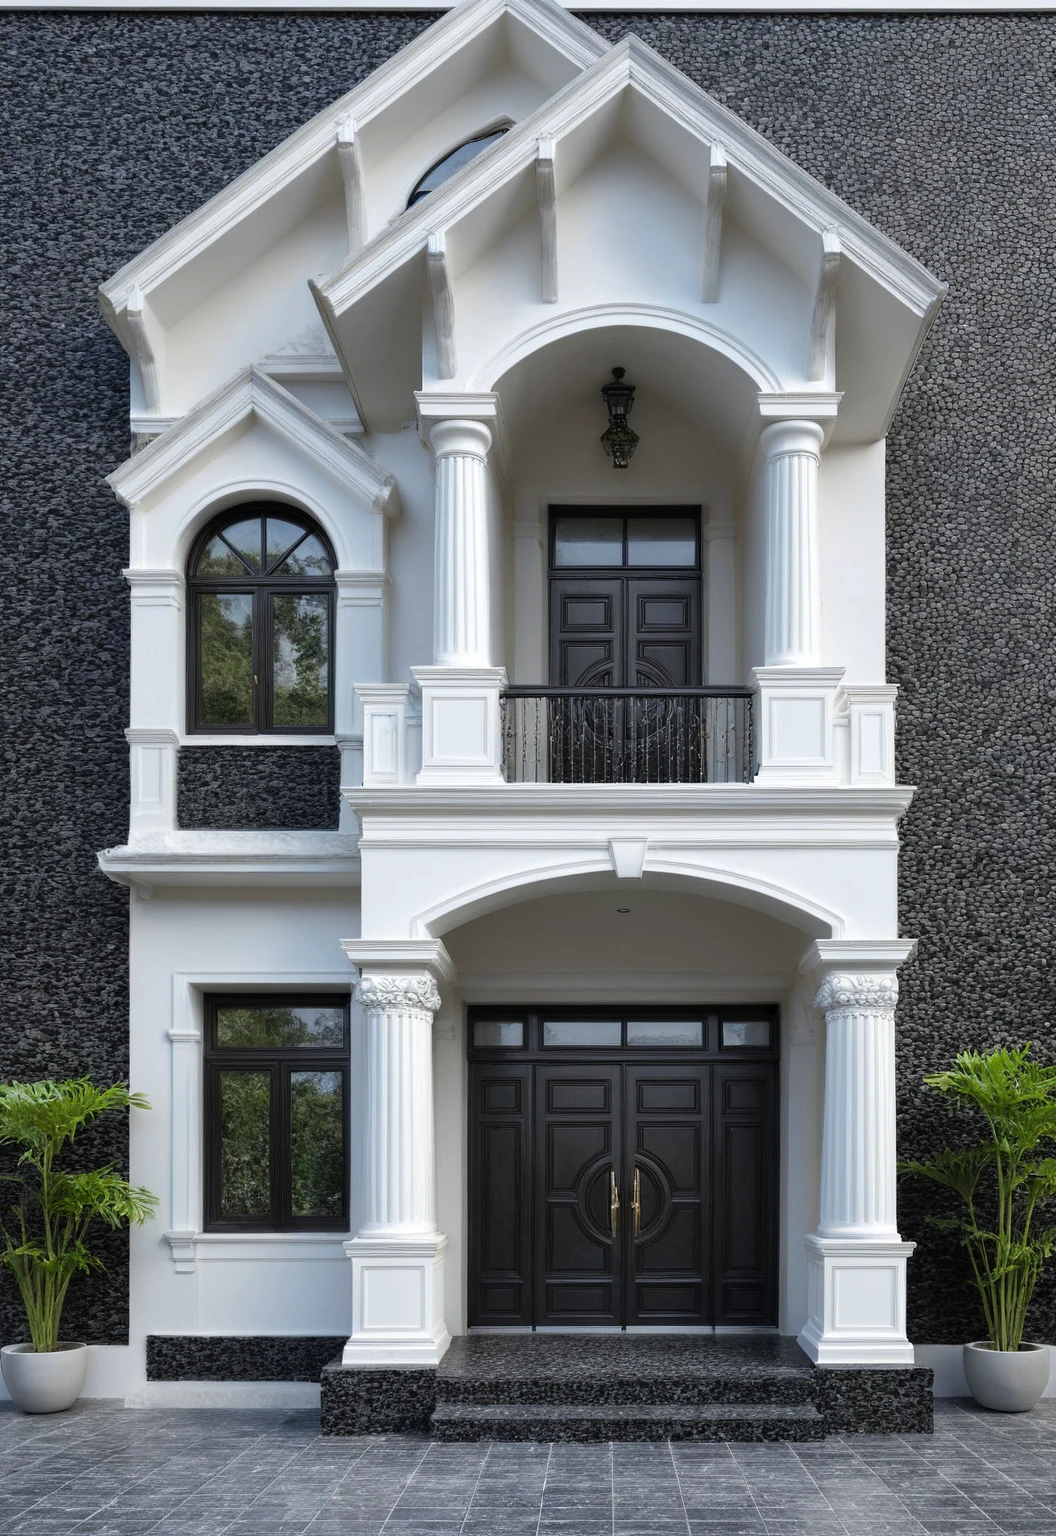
{"points": [[397, 1254], [857, 1260], [398, 1163], [790, 453], [858, 1137], [461, 602]]}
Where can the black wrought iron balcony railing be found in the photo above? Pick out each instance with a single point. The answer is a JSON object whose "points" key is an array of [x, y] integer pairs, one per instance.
{"points": [[627, 735]]}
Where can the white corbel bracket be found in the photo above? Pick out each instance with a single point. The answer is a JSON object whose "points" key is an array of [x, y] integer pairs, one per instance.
{"points": [[352, 176], [443, 297], [546, 192], [822, 321], [713, 223], [137, 315]]}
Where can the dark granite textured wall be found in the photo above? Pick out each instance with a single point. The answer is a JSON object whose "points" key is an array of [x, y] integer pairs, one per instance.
{"points": [[935, 127], [229, 1357], [290, 788]]}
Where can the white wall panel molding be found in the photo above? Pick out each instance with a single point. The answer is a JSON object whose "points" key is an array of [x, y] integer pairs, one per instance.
{"points": [[187, 1242]]}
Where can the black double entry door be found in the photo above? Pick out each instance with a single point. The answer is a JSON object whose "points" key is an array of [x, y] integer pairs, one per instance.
{"points": [[633, 1188]]}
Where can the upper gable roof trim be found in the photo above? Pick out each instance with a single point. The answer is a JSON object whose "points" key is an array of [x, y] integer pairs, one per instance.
{"points": [[632, 62], [289, 159], [251, 393]]}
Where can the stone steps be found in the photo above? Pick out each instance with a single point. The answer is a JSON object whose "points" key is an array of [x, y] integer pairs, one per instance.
{"points": [[461, 1421], [601, 1390]]}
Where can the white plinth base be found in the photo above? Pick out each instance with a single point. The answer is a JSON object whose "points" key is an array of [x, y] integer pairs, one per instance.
{"points": [[397, 1301], [857, 1302], [461, 724]]}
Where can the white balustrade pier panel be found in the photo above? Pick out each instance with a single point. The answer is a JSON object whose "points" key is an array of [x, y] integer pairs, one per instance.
{"points": [[857, 1260], [397, 1255]]}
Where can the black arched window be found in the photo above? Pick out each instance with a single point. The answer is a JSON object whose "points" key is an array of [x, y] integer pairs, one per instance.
{"points": [[261, 616], [454, 160]]}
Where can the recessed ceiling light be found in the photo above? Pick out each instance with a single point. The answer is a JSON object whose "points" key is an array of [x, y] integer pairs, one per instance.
{"points": [[623, 909]]}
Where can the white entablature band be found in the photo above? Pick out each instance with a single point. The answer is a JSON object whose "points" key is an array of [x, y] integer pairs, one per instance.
{"points": [[843, 992], [399, 993]]}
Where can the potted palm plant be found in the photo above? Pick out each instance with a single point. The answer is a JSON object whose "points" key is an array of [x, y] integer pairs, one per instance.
{"points": [[1005, 1180], [44, 1243]]}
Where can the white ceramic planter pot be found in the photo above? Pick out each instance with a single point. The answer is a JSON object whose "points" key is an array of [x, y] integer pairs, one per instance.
{"points": [[1008, 1380], [45, 1383]]}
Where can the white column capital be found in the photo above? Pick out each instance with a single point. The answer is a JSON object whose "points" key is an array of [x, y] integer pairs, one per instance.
{"points": [[848, 992], [400, 992], [460, 437], [855, 959], [792, 436]]}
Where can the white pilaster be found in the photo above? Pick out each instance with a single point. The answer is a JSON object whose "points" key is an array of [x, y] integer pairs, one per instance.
{"points": [[397, 1255], [789, 459], [156, 708], [857, 1260]]}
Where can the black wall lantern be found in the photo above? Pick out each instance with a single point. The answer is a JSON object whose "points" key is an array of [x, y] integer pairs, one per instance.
{"points": [[619, 441]]}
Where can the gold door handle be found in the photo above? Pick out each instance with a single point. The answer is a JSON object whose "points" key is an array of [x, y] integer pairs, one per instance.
{"points": [[614, 1202], [636, 1203]]}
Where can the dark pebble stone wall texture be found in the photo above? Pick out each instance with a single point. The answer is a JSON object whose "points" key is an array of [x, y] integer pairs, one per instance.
{"points": [[294, 789], [935, 127], [238, 1357]]}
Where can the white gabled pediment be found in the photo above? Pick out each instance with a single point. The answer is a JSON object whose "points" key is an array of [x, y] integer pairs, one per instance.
{"points": [[250, 399], [227, 285], [727, 232]]}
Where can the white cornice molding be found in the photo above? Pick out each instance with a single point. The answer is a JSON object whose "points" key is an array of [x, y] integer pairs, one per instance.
{"points": [[748, 153], [250, 392], [500, 801], [276, 859], [319, 137], [867, 956], [400, 956]]}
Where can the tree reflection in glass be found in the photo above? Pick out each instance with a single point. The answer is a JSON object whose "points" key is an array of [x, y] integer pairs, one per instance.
{"points": [[300, 659], [245, 1156], [226, 643], [316, 1143]]}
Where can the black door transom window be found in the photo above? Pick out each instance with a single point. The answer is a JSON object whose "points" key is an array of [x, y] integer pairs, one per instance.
{"points": [[261, 624], [276, 1113]]}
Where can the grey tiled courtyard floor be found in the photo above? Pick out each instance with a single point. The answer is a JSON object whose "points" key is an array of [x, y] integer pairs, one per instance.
{"points": [[200, 1472]]}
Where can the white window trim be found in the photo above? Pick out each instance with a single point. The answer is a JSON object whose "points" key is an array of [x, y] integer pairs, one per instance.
{"points": [[185, 1236]]}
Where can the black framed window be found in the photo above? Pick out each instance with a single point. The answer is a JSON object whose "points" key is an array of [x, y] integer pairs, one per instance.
{"points": [[443, 169], [276, 1113], [261, 620], [638, 538]]}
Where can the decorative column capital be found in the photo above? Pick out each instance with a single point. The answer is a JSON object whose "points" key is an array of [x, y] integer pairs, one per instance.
{"points": [[459, 437], [788, 437], [851, 992], [409, 992]]}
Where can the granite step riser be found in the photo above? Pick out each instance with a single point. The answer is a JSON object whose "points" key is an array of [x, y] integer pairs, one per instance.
{"points": [[573, 1432], [626, 1393]]}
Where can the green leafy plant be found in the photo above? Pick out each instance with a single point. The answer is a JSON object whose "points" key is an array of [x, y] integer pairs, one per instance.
{"points": [[55, 1208], [1005, 1178]]}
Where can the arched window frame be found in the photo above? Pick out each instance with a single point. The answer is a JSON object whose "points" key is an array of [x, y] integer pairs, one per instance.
{"points": [[493, 130], [262, 587]]}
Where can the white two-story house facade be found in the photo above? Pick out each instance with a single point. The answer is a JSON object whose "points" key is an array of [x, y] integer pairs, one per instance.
{"points": [[514, 435]]}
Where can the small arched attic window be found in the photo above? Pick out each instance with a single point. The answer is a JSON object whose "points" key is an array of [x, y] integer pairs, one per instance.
{"points": [[261, 588], [455, 159]]}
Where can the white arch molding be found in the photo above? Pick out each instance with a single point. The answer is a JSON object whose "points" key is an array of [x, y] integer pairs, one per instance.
{"points": [[597, 873], [641, 316]]}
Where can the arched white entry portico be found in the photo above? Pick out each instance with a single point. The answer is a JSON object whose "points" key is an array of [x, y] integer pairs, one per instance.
{"points": [[852, 1306]]}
